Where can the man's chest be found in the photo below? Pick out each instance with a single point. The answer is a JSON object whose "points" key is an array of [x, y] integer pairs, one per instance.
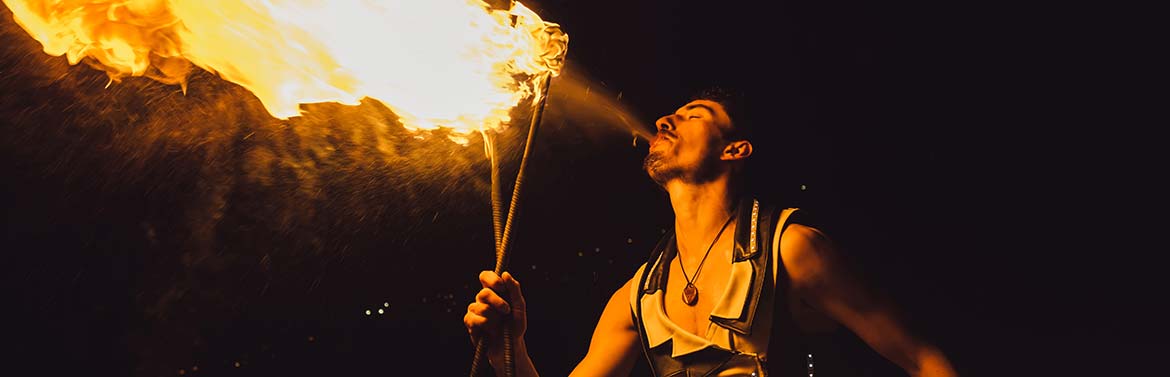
{"points": [[710, 286]]}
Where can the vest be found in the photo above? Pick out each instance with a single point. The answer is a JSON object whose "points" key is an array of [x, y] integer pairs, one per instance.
{"points": [[747, 323]]}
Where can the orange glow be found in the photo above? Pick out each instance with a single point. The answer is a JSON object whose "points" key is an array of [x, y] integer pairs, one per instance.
{"points": [[435, 63]]}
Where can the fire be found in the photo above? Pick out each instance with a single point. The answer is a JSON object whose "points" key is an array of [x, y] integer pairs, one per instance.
{"points": [[435, 63]]}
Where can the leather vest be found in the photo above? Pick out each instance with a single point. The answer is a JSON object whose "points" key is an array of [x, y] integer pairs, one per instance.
{"points": [[747, 324]]}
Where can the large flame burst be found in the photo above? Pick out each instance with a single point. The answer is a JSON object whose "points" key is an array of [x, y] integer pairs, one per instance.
{"points": [[435, 63]]}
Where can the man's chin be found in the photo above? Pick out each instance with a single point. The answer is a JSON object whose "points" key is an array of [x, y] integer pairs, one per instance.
{"points": [[657, 168], [660, 173], [660, 179]]}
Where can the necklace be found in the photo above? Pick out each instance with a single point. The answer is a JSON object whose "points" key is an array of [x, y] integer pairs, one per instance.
{"points": [[690, 294]]}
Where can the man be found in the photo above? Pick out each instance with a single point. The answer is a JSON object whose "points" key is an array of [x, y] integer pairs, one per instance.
{"points": [[727, 293]]}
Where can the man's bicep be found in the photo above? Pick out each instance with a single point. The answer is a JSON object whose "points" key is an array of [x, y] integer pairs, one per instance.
{"points": [[614, 346], [825, 280], [821, 277]]}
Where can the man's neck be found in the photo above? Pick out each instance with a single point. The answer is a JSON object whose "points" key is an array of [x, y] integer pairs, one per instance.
{"points": [[700, 210]]}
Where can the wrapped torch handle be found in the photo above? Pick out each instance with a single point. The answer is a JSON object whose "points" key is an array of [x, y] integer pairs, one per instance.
{"points": [[504, 235]]}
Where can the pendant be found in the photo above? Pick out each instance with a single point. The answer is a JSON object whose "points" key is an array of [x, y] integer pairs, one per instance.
{"points": [[690, 294]]}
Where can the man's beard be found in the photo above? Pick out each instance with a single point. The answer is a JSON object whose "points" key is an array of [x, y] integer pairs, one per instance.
{"points": [[658, 170], [661, 170]]}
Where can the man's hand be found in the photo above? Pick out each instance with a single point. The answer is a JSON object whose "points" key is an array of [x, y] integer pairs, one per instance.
{"points": [[486, 316]]}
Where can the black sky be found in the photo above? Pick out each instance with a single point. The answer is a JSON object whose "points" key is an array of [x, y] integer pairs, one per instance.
{"points": [[981, 161]]}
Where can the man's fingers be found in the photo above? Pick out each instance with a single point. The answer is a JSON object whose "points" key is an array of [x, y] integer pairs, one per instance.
{"points": [[489, 279], [483, 310], [489, 297], [514, 293], [474, 322]]}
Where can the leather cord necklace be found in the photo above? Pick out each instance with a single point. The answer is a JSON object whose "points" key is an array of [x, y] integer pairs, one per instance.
{"points": [[690, 294]]}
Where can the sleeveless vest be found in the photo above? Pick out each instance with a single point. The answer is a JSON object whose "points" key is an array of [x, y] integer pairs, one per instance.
{"points": [[752, 332]]}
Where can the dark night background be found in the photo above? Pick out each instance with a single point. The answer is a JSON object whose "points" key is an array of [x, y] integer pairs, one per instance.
{"points": [[982, 162]]}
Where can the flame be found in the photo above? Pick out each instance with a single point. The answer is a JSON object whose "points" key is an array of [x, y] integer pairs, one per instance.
{"points": [[435, 63]]}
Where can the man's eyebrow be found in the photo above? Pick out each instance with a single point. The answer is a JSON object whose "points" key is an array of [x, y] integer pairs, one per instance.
{"points": [[700, 106]]}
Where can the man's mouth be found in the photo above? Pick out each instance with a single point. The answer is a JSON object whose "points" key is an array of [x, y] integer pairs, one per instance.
{"points": [[661, 136]]}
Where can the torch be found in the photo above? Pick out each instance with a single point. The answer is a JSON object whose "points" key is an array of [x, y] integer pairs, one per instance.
{"points": [[553, 59]]}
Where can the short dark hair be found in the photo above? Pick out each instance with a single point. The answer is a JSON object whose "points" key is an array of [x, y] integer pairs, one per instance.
{"points": [[734, 103]]}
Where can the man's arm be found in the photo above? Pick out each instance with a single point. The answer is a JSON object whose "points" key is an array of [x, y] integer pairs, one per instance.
{"points": [[821, 278], [612, 352], [614, 347]]}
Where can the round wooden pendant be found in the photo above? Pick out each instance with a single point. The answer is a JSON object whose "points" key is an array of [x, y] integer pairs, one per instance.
{"points": [[690, 294]]}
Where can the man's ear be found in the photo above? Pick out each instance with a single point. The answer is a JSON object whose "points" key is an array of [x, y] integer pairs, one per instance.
{"points": [[736, 150]]}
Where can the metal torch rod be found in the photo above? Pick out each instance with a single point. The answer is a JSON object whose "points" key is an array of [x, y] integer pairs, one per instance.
{"points": [[504, 235]]}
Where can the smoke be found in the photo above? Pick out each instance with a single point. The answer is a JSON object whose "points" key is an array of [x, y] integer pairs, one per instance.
{"points": [[595, 108]]}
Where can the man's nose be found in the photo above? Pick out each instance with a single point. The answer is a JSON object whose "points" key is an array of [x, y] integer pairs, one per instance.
{"points": [[665, 123]]}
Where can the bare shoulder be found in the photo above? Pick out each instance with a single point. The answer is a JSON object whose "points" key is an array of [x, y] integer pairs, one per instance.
{"points": [[621, 302], [801, 241], [624, 291], [796, 233], [805, 251], [625, 288]]}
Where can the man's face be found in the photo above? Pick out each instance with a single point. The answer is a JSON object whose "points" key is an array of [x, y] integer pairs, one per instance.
{"points": [[688, 143]]}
